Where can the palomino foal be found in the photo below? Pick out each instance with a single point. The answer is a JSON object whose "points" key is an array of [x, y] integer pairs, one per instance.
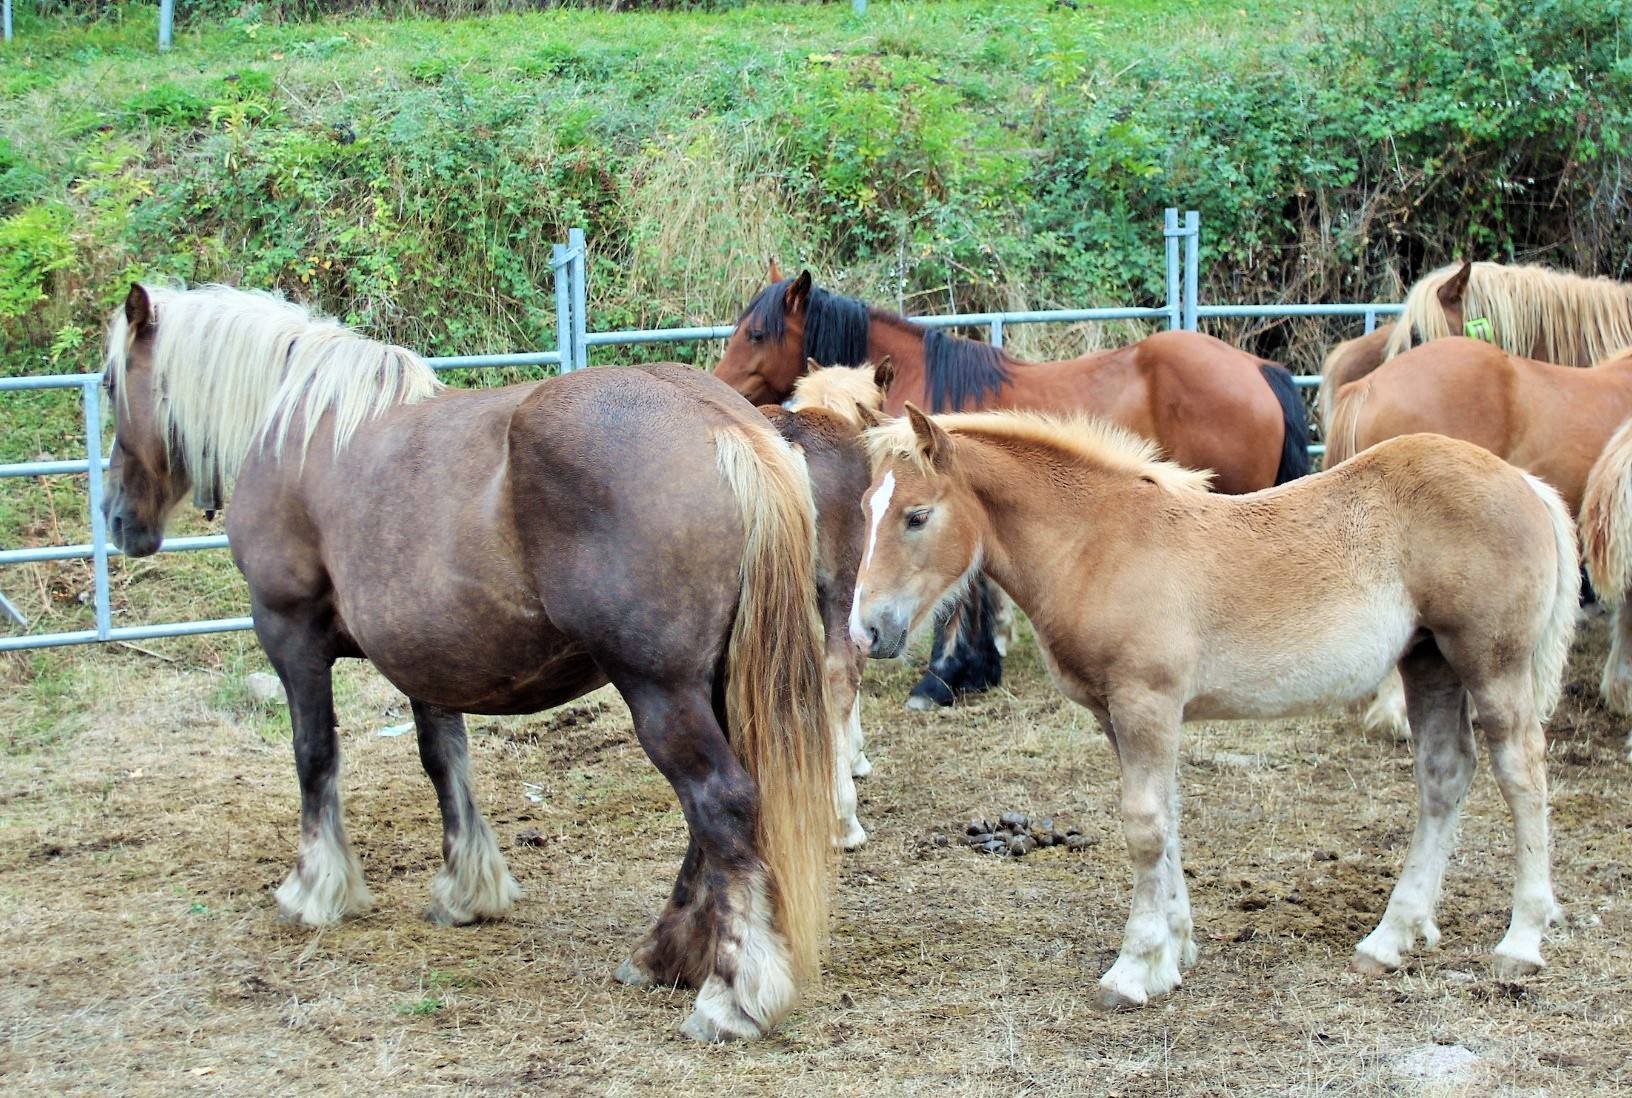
{"points": [[1157, 602]]}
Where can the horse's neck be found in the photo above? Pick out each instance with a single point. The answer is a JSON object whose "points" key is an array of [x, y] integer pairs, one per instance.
{"points": [[903, 346], [1029, 513]]}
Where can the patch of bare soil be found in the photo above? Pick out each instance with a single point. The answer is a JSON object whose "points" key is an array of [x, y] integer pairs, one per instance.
{"points": [[140, 952]]}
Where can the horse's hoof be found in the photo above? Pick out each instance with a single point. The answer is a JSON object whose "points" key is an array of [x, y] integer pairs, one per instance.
{"points": [[1516, 968], [438, 915], [716, 1031], [1112, 1001], [855, 836], [861, 766], [632, 975], [1367, 965]]}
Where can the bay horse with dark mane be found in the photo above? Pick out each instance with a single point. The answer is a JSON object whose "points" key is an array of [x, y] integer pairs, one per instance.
{"points": [[504, 551], [1206, 404]]}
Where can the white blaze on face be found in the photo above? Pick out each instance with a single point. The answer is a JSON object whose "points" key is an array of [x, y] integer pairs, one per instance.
{"points": [[877, 507]]}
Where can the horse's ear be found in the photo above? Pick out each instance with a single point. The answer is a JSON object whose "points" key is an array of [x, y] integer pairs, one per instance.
{"points": [[934, 443], [776, 272], [797, 295], [1452, 289], [868, 417], [884, 374], [138, 308], [811, 365]]}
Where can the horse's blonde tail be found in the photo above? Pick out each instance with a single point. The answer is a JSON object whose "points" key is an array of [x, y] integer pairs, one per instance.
{"points": [[776, 691], [1553, 646], [1343, 425], [1606, 518]]}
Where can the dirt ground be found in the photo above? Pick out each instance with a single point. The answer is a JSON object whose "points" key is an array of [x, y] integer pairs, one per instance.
{"points": [[140, 951]]}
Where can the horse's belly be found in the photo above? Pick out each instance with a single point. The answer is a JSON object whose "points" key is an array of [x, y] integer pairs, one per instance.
{"points": [[1330, 659]]}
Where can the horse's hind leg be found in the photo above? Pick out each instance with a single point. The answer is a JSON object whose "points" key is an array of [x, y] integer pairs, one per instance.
{"points": [[679, 947], [1442, 743], [843, 687], [1615, 687], [327, 881], [1518, 757], [726, 941], [474, 883]]}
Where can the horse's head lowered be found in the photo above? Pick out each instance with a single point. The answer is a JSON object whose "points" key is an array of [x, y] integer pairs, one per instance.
{"points": [[787, 324], [147, 476], [923, 534]]}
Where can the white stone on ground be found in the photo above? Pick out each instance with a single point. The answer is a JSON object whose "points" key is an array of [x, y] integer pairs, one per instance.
{"points": [[264, 688], [1437, 1064]]}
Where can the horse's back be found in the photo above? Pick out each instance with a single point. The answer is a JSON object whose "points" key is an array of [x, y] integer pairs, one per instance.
{"points": [[624, 515]]}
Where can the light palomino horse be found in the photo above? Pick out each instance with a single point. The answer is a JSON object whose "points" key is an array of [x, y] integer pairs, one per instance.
{"points": [[1549, 420], [504, 551], [1606, 543], [1534, 311], [1157, 602]]}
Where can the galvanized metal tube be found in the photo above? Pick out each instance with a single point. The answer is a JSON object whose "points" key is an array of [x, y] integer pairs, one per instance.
{"points": [[47, 381], [167, 19], [1192, 267], [85, 551], [471, 362], [580, 297], [1356, 309], [127, 633], [658, 335], [45, 468], [1170, 235], [997, 333], [1371, 321], [563, 307], [7, 20], [99, 532]]}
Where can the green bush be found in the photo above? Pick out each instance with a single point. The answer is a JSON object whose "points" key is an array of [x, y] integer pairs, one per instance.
{"points": [[33, 243]]}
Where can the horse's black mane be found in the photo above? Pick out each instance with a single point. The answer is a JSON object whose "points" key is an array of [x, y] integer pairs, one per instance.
{"points": [[959, 372], [835, 325]]}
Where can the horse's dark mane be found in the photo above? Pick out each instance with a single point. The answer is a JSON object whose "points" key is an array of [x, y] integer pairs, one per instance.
{"points": [[835, 325], [958, 372]]}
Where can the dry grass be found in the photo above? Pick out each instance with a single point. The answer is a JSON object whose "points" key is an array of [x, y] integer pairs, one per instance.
{"points": [[142, 955]]}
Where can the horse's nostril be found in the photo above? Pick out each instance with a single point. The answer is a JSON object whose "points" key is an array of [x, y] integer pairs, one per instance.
{"points": [[872, 635]]}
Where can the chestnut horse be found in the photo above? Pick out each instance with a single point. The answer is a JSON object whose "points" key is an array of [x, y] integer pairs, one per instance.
{"points": [[1157, 602], [1606, 543], [1205, 403], [1549, 420], [1537, 312], [504, 551]]}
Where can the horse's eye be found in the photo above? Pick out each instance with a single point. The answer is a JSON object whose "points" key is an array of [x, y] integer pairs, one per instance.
{"points": [[756, 337], [916, 519]]}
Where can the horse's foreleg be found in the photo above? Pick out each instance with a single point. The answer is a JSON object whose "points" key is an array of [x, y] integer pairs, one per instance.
{"points": [[327, 881], [474, 883], [1156, 940], [1442, 742], [965, 658], [1387, 710], [729, 945], [1615, 687], [844, 693]]}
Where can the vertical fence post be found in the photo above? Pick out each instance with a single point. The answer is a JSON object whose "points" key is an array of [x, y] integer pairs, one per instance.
{"points": [[1170, 235], [1192, 267], [167, 20], [580, 298], [859, 6], [997, 333], [1371, 321], [7, 19], [561, 271], [99, 535]]}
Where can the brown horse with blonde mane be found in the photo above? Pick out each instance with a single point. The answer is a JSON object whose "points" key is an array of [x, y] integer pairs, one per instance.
{"points": [[1157, 602], [1533, 311], [504, 551], [1206, 404], [1553, 421]]}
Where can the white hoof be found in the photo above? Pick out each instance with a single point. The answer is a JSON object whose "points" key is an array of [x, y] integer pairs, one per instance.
{"points": [[920, 704], [475, 885], [717, 1018], [632, 975], [324, 897], [860, 766], [1133, 982], [855, 836]]}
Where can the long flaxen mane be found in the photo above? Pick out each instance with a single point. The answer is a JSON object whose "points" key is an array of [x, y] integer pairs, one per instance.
{"points": [[1575, 320], [233, 369], [850, 392], [1084, 440]]}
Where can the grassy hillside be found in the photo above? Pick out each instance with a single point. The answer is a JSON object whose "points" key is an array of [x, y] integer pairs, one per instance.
{"points": [[410, 174]]}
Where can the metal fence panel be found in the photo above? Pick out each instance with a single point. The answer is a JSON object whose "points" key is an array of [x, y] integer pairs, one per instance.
{"points": [[568, 263]]}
